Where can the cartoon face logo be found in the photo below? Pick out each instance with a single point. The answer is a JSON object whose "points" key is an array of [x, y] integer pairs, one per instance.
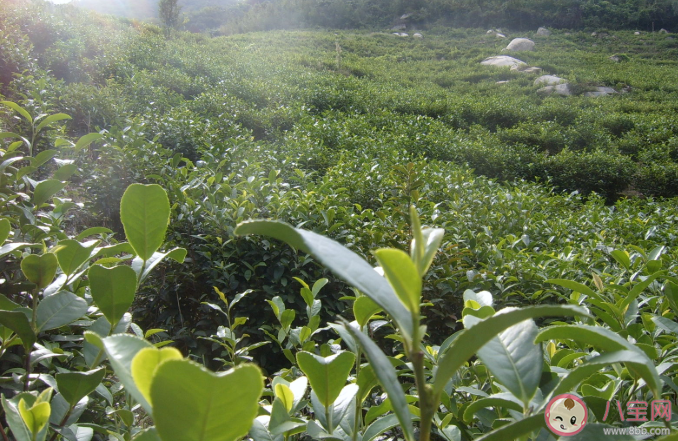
{"points": [[566, 415]]}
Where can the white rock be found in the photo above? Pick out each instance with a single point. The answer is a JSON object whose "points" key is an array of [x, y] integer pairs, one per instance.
{"points": [[549, 80], [593, 34], [520, 44], [663, 31], [397, 34], [601, 91], [418, 35], [543, 32], [404, 34], [636, 33], [490, 31], [527, 70], [560, 89], [502, 82], [502, 61], [500, 35]]}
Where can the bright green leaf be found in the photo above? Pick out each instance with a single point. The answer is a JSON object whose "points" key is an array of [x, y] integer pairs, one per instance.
{"points": [[59, 309], [327, 375], [222, 406], [403, 276], [113, 290], [74, 386], [144, 212], [40, 269]]}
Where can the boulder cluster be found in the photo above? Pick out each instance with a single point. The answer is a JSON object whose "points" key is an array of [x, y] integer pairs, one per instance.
{"points": [[551, 83]]}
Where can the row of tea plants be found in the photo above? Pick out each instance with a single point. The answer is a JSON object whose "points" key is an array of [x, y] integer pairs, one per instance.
{"points": [[77, 367]]}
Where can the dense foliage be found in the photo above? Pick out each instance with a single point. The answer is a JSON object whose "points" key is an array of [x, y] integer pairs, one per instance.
{"points": [[339, 134]]}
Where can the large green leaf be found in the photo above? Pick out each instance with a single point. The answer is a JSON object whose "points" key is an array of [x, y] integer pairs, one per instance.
{"points": [[327, 375], [74, 386], [86, 140], [222, 406], [17, 108], [363, 310], [515, 360], [121, 350], [144, 212], [504, 400], [516, 430], [342, 261], [18, 322], [403, 276], [59, 309], [45, 190], [113, 290], [40, 269], [575, 286], [469, 340], [5, 228], [388, 378], [50, 120], [145, 364], [13, 417], [635, 360], [71, 254]]}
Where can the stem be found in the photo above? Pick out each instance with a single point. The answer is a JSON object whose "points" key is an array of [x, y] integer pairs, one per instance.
{"points": [[357, 423], [328, 417], [28, 368], [62, 423], [427, 400], [4, 435]]}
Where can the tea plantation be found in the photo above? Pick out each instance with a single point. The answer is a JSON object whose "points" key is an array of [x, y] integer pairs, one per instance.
{"points": [[226, 199]]}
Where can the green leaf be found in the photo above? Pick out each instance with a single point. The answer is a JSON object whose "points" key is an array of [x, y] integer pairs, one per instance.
{"points": [[74, 386], [11, 247], [363, 310], [222, 406], [463, 347], [59, 309], [603, 338], [327, 375], [92, 231], [18, 322], [575, 286], [42, 157], [50, 120], [86, 140], [432, 237], [284, 393], [145, 212], [388, 378], [5, 228], [380, 426], [14, 420], [146, 362], [515, 360], [45, 190], [113, 290], [35, 417], [23, 112], [403, 276], [40, 269], [517, 429], [504, 400], [121, 350], [65, 172], [342, 261], [622, 257], [71, 254]]}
